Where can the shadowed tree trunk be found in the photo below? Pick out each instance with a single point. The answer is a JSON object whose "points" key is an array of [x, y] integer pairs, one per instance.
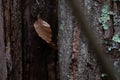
{"points": [[28, 56], [25, 56], [13, 38], [3, 67], [39, 58]]}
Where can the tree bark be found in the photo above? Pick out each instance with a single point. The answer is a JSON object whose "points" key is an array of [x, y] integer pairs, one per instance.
{"points": [[79, 62], [25, 56], [74, 59], [39, 58], [3, 67]]}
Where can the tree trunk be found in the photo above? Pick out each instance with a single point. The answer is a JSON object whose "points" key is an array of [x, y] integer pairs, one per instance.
{"points": [[76, 59], [25, 56], [3, 67], [39, 58], [28, 56]]}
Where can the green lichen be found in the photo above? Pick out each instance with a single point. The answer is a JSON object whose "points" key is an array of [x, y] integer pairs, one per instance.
{"points": [[116, 38], [105, 17], [104, 20]]}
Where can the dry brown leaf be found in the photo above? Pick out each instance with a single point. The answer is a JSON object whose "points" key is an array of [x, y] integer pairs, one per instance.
{"points": [[43, 30]]}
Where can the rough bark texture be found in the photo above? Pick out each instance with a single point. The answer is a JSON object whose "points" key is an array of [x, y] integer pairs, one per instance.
{"points": [[65, 39], [75, 63], [85, 66], [28, 56], [39, 58], [3, 67], [25, 56], [16, 40], [13, 38]]}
